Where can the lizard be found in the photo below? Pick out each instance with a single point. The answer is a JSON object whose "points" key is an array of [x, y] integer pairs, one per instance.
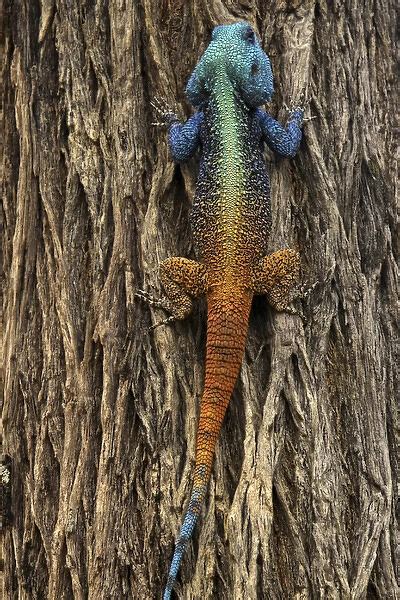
{"points": [[231, 223]]}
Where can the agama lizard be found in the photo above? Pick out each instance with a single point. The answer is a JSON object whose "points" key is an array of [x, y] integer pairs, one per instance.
{"points": [[231, 221]]}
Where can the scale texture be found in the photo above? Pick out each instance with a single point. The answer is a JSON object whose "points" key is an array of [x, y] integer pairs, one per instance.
{"points": [[231, 220]]}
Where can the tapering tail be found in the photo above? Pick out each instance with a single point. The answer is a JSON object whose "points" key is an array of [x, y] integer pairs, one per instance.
{"points": [[227, 325]]}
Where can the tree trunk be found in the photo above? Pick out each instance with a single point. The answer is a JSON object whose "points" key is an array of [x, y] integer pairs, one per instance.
{"points": [[99, 413]]}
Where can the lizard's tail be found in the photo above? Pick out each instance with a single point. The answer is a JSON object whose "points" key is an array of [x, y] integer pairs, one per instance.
{"points": [[227, 326]]}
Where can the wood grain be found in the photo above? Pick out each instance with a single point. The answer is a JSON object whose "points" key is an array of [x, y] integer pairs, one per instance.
{"points": [[99, 414]]}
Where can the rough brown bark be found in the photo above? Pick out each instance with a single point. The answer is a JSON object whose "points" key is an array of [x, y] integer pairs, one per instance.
{"points": [[99, 415]]}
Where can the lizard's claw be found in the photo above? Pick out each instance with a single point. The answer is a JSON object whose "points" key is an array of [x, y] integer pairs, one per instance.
{"points": [[166, 321], [310, 118], [165, 116], [302, 291], [304, 100], [296, 312], [302, 105], [163, 304], [146, 297]]}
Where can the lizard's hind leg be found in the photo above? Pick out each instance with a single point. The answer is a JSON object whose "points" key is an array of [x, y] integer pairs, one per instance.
{"points": [[277, 276], [182, 280]]}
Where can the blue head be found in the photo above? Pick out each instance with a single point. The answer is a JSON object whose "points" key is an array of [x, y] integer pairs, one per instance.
{"points": [[235, 54]]}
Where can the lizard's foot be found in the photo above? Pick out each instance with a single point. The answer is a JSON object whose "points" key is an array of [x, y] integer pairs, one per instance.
{"points": [[151, 301], [164, 115], [301, 292], [166, 321], [164, 304], [182, 280], [303, 102], [295, 312], [301, 106], [277, 277]]}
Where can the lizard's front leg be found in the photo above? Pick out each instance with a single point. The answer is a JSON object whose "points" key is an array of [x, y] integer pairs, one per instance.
{"points": [[182, 280], [277, 276]]}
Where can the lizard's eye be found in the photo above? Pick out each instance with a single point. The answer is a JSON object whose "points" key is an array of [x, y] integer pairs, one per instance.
{"points": [[254, 69], [249, 35]]}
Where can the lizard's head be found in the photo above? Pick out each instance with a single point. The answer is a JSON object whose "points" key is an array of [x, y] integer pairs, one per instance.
{"points": [[233, 54]]}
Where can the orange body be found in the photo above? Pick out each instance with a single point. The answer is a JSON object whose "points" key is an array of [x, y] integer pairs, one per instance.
{"points": [[228, 313]]}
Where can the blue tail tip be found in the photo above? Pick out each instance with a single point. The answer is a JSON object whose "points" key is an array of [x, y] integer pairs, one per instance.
{"points": [[168, 588]]}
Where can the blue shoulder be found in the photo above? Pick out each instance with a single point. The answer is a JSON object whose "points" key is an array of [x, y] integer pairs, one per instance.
{"points": [[184, 138]]}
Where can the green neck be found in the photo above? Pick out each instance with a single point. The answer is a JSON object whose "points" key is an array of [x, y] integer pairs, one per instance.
{"points": [[229, 123], [229, 120]]}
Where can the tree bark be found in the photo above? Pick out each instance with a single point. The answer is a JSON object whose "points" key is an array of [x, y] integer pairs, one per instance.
{"points": [[100, 414]]}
